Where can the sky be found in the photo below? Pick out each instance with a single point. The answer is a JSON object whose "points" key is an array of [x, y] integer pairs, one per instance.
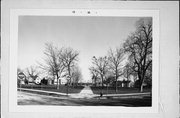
{"points": [[90, 36]]}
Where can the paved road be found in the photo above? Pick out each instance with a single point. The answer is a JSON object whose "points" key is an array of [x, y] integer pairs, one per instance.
{"points": [[36, 99]]}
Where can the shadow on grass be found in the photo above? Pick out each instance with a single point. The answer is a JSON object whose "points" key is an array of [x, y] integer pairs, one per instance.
{"points": [[130, 102]]}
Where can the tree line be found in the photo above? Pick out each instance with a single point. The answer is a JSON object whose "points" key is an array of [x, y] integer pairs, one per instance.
{"points": [[61, 62], [136, 50], [58, 63]]}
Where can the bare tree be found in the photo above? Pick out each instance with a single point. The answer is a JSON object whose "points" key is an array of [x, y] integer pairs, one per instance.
{"points": [[128, 71], [101, 66], [32, 72], [115, 63], [76, 75], [95, 75], [53, 64], [69, 57], [19, 70], [139, 47]]}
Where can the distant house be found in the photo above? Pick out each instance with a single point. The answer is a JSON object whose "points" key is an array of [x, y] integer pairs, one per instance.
{"points": [[52, 81], [96, 81], [62, 81], [44, 81], [38, 80], [131, 84], [125, 83], [30, 80]]}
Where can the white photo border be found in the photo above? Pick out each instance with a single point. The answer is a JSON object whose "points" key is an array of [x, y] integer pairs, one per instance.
{"points": [[15, 13]]}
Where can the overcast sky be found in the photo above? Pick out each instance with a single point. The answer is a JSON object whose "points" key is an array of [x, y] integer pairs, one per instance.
{"points": [[91, 36]]}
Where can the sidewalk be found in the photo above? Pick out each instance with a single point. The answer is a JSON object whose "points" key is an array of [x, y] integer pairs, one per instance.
{"points": [[85, 93]]}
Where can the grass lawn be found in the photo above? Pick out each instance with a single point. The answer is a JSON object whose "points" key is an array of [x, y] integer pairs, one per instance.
{"points": [[111, 90], [128, 102], [62, 88]]}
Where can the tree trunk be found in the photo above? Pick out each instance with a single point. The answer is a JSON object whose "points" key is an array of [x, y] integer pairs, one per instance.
{"points": [[73, 82], [95, 81], [141, 88], [57, 76], [141, 82], [102, 80], [116, 85], [57, 83], [69, 70], [116, 78]]}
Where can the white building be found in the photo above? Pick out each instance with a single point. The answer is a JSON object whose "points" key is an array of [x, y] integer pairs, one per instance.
{"points": [[38, 80]]}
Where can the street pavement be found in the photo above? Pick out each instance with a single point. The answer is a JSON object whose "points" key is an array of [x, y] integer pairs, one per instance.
{"points": [[25, 98]]}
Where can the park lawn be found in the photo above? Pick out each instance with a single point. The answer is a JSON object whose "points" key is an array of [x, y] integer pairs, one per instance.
{"points": [[121, 90], [53, 88]]}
